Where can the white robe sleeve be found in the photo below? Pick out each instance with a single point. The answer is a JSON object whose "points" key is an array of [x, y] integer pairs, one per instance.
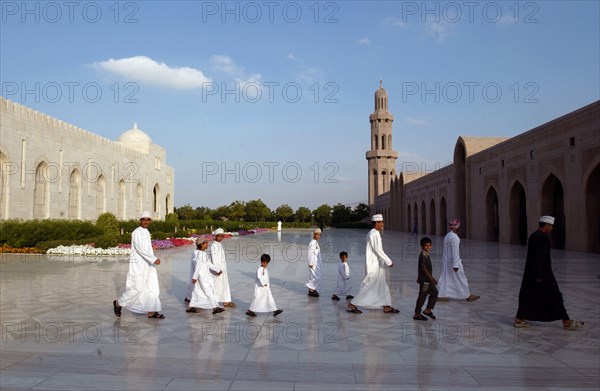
{"points": [[141, 243], [378, 249], [263, 276], [453, 248], [346, 271], [313, 252]]}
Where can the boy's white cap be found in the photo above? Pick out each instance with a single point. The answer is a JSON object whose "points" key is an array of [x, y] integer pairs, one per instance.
{"points": [[377, 218], [219, 231], [317, 231], [146, 215], [547, 220]]}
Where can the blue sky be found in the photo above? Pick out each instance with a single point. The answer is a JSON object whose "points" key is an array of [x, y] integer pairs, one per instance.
{"points": [[271, 100]]}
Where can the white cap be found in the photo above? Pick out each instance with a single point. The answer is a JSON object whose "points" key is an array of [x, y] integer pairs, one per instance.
{"points": [[146, 215], [317, 231], [201, 239], [219, 231], [377, 218], [547, 219]]}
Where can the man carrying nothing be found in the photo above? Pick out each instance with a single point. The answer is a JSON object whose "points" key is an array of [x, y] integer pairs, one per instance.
{"points": [[141, 288], [374, 291]]}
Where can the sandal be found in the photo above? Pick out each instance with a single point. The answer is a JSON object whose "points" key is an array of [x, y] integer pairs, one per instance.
{"points": [[521, 325], [192, 309], [277, 312], [420, 317], [392, 310], [354, 311], [250, 313], [218, 310], [575, 324], [116, 308], [430, 314], [335, 297], [156, 315]]}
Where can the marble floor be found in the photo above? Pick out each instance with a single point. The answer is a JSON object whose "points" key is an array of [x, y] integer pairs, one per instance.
{"points": [[59, 331]]}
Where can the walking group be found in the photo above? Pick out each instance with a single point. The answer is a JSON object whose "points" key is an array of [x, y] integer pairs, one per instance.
{"points": [[539, 298]]}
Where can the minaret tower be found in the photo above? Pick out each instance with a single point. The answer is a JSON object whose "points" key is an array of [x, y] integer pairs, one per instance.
{"points": [[382, 158]]}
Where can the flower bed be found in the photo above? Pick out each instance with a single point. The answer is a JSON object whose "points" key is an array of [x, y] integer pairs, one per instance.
{"points": [[22, 250], [87, 250]]}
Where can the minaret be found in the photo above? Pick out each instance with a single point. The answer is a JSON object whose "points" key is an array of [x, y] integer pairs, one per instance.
{"points": [[382, 158]]}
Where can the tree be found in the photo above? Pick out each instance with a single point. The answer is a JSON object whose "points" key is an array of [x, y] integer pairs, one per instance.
{"points": [[284, 211], [186, 212], [257, 210], [303, 214], [222, 213], [237, 210], [203, 213], [360, 212], [322, 214], [108, 223], [340, 215]]}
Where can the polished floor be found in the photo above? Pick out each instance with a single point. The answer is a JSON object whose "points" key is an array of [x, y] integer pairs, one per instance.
{"points": [[59, 331]]}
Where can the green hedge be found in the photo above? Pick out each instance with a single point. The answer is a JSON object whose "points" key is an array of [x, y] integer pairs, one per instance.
{"points": [[18, 233]]}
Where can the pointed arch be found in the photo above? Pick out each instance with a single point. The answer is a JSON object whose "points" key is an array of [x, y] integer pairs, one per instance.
{"points": [[553, 203], [423, 218], [518, 214], [139, 199], [41, 192], [491, 215], [155, 199], [74, 210], [122, 201], [432, 217], [443, 216], [100, 195], [592, 209]]}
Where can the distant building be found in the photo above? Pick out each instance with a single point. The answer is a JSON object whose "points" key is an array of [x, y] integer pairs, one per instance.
{"points": [[53, 170], [498, 187]]}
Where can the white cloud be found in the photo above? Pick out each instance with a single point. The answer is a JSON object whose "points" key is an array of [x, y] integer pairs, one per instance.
{"points": [[416, 121], [437, 30], [146, 70], [363, 41], [305, 72], [392, 21]]}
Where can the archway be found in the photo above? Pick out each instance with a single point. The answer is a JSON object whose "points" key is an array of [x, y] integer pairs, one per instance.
{"points": [[443, 216], [518, 214], [432, 217], [592, 210], [74, 212], [41, 192], [121, 201], [553, 203], [491, 215], [423, 218], [100, 195]]}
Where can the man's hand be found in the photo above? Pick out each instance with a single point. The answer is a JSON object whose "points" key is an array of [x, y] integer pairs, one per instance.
{"points": [[157, 262], [311, 266], [194, 281], [455, 269]]}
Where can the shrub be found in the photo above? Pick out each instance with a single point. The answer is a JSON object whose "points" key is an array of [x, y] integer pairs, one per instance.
{"points": [[159, 235], [108, 223], [107, 241]]}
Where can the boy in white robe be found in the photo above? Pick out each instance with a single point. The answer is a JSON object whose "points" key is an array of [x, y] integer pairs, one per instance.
{"points": [[374, 291], [141, 288], [263, 299], [216, 254], [203, 295], [314, 265], [344, 285], [453, 280], [190, 290]]}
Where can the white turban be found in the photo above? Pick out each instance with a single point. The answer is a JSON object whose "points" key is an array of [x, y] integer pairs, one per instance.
{"points": [[219, 231], [377, 218], [547, 219], [146, 215]]}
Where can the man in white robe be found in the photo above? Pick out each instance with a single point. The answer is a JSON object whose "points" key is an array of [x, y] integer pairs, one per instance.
{"points": [[190, 290], [216, 255], [141, 288], [314, 265], [203, 293], [374, 291], [453, 283]]}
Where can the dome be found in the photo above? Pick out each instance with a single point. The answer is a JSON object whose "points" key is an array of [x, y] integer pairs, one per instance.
{"points": [[381, 92], [136, 139]]}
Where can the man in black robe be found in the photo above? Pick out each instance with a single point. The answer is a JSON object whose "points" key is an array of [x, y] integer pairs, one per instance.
{"points": [[539, 297]]}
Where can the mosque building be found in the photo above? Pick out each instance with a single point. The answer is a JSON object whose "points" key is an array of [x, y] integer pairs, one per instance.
{"points": [[54, 170], [497, 186]]}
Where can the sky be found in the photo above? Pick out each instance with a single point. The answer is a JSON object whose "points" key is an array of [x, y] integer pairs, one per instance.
{"points": [[271, 100]]}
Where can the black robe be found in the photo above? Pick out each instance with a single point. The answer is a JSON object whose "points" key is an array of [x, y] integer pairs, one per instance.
{"points": [[541, 301]]}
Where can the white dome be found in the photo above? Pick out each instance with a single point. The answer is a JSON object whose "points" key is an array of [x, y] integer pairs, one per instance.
{"points": [[136, 139]]}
